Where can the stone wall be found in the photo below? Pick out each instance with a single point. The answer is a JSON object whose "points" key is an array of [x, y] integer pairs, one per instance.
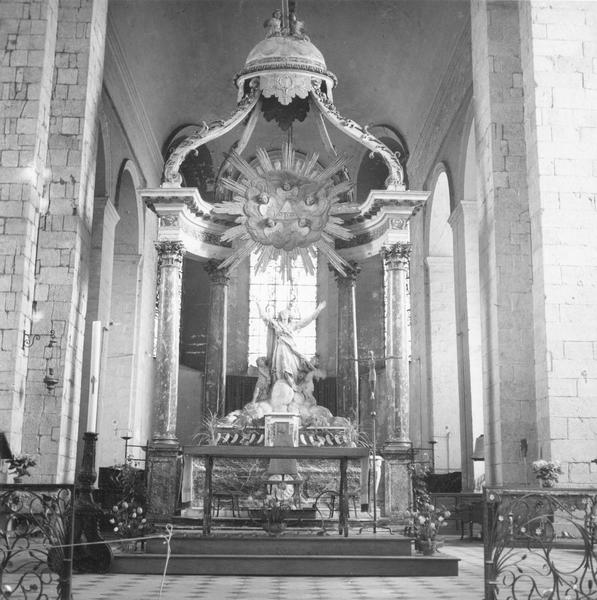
{"points": [[28, 47], [559, 78]]}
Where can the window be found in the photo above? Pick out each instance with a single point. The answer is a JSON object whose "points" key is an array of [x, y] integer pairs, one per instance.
{"points": [[274, 293]]}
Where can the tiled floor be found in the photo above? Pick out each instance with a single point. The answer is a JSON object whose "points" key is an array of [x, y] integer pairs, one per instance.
{"points": [[467, 586]]}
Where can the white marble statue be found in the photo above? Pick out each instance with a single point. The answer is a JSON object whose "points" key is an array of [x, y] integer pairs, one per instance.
{"points": [[283, 355]]}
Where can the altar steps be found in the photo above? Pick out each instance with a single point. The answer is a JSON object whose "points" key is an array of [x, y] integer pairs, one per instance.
{"points": [[324, 556]]}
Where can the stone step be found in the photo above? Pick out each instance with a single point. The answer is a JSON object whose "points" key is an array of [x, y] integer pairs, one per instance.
{"points": [[287, 545], [439, 565]]}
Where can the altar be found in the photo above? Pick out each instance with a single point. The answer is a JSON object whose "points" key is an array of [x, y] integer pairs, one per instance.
{"points": [[342, 455]]}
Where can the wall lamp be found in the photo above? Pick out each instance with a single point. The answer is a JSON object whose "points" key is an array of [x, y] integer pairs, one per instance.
{"points": [[30, 338], [50, 380]]}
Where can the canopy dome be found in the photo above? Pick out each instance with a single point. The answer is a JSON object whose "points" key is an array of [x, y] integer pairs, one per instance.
{"points": [[288, 57]]}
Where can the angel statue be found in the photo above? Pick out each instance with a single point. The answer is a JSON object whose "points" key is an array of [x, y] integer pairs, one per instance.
{"points": [[284, 358], [274, 24]]}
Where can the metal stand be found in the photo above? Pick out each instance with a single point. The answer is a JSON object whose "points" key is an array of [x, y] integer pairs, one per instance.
{"points": [[95, 556], [372, 381]]}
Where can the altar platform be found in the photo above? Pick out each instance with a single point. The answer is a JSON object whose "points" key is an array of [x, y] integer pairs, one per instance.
{"points": [[294, 553]]}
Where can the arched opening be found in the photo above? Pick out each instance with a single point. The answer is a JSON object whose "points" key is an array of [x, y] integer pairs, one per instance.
{"points": [[442, 385], [119, 393]]}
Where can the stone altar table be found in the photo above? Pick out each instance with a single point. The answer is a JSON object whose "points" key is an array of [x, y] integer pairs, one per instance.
{"points": [[343, 455]]}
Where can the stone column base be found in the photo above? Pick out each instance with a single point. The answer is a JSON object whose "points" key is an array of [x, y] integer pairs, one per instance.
{"points": [[163, 480], [397, 483]]}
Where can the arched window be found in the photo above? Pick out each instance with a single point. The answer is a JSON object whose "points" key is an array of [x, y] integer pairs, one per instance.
{"points": [[274, 293]]}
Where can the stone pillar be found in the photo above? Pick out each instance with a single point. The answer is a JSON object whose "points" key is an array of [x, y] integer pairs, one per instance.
{"points": [[559, 85], [465, 226], [162, 463], [215, 355], [395, 259], [396, 450], [65, 234], [505, 264], [347, 371], [169, 293], [28, 56]]}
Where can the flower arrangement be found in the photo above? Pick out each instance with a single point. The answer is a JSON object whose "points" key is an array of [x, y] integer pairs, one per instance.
{"points": [[20, 464], [547, 471], [127, 516], [425, 523], [128, 520]]}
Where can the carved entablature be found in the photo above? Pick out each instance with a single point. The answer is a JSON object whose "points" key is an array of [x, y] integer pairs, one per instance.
{"points": [[396, 256], [384, 220], [184, 217]]}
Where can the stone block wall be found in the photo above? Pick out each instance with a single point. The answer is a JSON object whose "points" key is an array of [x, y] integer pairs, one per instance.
{"points": [[559, 75], [28, 40], [51, 88], [504, 241]]}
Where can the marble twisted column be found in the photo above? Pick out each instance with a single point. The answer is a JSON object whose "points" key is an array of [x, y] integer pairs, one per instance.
{"points": [[347, 376], [395, 260], [215, 356], [163, 466]]}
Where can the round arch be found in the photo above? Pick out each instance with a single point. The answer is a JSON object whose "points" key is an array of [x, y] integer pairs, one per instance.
{"points": [[126, 192]]}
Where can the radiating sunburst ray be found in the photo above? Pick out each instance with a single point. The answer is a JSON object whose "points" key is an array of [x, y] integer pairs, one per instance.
{"points": [[292, 214]]}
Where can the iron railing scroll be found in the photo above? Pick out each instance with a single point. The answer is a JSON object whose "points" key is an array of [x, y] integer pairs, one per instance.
{"points": [[35, 541], [540, 544]]}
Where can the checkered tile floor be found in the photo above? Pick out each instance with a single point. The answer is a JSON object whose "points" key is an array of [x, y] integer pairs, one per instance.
{"points": [[467, 586]]}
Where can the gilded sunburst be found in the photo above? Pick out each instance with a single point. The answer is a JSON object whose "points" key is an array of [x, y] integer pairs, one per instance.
{"points": [[285, 208]]}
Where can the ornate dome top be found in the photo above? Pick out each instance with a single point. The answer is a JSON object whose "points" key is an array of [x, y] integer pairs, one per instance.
{"points": [[285, 54]]}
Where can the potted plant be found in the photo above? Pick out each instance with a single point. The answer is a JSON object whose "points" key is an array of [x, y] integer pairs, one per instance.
{"points": [[424, 524], [19, 466], [547, 472]]}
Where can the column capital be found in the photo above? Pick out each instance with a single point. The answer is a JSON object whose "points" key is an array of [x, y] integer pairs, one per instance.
{"points": [[216, 274], [396, 256], [170, 253], [350, 272]]}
